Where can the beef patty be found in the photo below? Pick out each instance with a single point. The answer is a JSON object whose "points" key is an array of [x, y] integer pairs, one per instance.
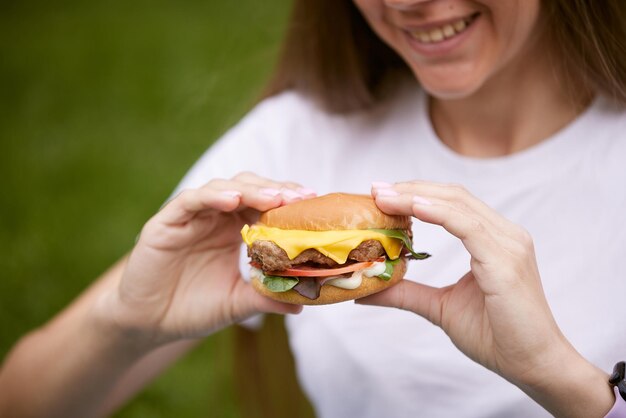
{"points": [[273, 258]]}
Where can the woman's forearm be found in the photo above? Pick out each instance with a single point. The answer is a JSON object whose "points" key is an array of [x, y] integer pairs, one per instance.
{"points": [[77, 365], [65, 369], [111, 341]]}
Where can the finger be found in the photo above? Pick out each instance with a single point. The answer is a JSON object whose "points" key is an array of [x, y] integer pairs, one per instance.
{"points": [[221, 195], [256, 190], [421, 299], [267, 305], [395, 203], [399, 199], [459, 196], [255, 196], [470, 227], [454, 194], [293, 190], [191, 201], [254, 303], [252, 178], [289, 191]]}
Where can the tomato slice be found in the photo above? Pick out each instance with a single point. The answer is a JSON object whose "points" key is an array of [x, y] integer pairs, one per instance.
{"points": [[308, 271]]}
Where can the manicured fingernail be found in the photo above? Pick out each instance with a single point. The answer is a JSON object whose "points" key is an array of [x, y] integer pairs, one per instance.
{"points": [[386, 192], [270, 192], [231, 193], [306, 191], [421, 201], [290, 194], [381, 185]]}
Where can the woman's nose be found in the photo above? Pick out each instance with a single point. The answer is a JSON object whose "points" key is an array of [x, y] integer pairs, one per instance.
{"points": [[405, 4]]}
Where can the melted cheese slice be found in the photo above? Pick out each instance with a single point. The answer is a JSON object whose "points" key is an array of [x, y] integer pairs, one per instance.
{"points": [[333, 244]]}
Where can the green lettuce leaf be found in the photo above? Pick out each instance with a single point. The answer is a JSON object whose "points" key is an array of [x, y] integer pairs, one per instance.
{"points": [[279, 284], [389, 265], [401, 235]]}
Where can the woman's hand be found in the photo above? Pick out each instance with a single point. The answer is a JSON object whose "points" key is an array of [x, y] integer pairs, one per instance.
{"points": [[180, 281], [182, 278], [497, 313]]}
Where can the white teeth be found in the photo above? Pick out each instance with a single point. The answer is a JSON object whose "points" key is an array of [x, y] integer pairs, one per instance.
{"points": [[441, 33], [459, 26], [436, 35], [448, 31]]}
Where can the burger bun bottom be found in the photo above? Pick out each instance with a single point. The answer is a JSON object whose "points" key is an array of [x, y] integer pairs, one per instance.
{"points": [[331, 294]]}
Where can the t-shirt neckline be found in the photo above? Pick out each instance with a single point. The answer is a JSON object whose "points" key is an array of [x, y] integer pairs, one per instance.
{"points": [[535, 163]]}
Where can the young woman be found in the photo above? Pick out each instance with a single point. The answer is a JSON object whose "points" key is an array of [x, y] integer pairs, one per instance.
{"points": [[498, 124]]}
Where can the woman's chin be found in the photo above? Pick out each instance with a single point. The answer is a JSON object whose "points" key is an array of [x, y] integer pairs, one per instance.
{"points": [[447, 94], [451, 86], [448, 91]]}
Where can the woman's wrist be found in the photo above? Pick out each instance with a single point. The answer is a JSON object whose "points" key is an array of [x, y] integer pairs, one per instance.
{"points": [[122, 327], [570, 386]]}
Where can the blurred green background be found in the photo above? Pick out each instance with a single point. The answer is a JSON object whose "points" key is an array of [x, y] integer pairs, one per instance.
{"points": [[104, 105]]}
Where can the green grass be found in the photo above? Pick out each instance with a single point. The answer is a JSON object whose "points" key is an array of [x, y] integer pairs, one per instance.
{"points": [[103, 107]]}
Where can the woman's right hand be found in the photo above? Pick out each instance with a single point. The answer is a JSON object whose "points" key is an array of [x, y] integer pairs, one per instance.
{"points": [[182, 278], [497, 313]]}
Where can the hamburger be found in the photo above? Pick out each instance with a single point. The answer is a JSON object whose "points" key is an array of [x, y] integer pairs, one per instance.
{"points": [[328, 249]]}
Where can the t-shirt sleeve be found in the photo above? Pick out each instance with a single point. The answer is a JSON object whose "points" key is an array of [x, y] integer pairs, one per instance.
{"points": [[257, 144]]}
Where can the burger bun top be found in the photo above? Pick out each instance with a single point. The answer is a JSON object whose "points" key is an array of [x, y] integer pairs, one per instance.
{"points": [[335, 211]]}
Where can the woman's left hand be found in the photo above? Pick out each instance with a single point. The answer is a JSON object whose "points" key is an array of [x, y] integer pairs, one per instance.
{"points": [[497, 313]]}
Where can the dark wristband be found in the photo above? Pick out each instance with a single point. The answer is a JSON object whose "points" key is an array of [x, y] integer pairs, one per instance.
{"points": [[618, 382], [618, 379]]}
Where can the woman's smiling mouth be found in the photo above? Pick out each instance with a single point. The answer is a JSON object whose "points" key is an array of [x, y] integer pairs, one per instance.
{"points": [[437, 40], [443, 32]]}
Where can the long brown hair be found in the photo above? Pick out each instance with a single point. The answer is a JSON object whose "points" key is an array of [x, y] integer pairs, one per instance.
{"points": [[331, 54]]}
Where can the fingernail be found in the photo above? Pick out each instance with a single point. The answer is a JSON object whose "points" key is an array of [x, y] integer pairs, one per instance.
{"points": [[290, 194], [381, 185], [306, 191], [421, 201], [386, 192], [231, 193], [270, 192]]}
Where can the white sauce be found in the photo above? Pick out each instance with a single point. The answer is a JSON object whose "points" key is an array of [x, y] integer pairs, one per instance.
{"points": [[356, 279], [351, 282], [376, 270], [256, 273]]}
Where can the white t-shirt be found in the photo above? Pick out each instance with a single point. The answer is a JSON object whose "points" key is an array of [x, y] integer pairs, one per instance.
{"points": [[569, 192]]}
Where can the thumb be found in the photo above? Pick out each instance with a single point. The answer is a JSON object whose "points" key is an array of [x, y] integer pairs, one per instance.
{"points": [[257, 303], [423, 300]]}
